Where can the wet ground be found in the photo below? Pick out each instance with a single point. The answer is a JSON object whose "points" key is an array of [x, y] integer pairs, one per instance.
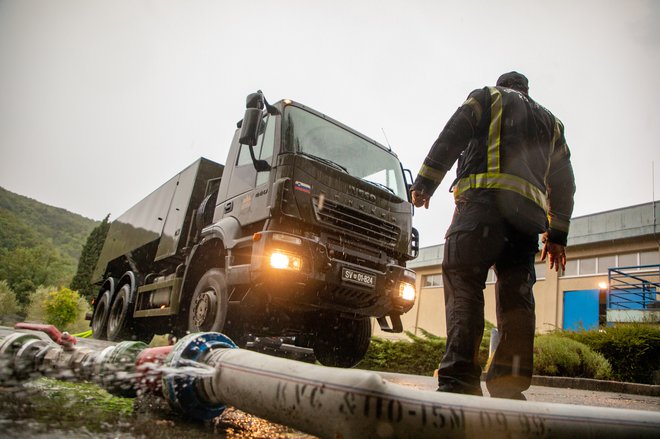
{"points": [[49, 408]]}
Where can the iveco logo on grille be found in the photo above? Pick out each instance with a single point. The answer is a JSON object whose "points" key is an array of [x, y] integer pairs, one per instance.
{"points": [[361, 193]]}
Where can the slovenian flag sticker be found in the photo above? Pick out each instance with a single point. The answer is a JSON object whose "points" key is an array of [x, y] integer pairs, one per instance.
{"points": [[302, 187]]}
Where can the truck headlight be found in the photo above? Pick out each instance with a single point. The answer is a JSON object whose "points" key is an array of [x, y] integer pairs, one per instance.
{"points": [[407, 291], [285, 261]]}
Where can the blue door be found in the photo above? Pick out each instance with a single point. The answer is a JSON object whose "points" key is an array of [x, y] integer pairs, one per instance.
{"points": [[580, 310]]}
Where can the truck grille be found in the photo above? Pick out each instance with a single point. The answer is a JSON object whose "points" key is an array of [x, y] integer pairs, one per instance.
{"points": [[349, 296], [359, 223]]}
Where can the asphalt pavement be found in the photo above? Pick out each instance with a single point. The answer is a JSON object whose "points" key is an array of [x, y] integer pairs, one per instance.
{"points": [[564, 391]]}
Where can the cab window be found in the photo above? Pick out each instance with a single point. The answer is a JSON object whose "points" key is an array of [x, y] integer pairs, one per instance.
{"points": [[245, 177]]}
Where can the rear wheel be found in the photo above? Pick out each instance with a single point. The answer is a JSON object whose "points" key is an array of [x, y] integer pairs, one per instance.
{"points": [[119, 321], [342, 342], [100, 317], [208, 305]]}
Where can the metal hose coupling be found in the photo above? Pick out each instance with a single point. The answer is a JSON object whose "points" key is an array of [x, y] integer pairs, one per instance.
{"points": [[185, 392], [18, 357], [115, 368]]}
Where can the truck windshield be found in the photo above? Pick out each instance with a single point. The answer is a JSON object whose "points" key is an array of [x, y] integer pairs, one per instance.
{"points": [[308, 134]]}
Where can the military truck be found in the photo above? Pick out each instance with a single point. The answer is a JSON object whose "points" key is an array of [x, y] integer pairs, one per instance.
{"points": [[303, 233]]}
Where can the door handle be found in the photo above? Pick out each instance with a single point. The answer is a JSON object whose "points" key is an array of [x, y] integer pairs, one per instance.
{"points": [[229, 205]]}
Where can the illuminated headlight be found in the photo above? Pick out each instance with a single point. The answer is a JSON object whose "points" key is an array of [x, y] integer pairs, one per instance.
{"points": [[285, 261], [407, 291]]}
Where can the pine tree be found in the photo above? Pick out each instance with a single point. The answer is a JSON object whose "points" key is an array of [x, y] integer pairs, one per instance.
{"points": [[88, 259]]}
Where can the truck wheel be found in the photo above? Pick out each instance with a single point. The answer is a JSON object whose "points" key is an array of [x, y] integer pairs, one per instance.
{"points": [[100, 317], [208, 306], [343, 343], [119, 320]]}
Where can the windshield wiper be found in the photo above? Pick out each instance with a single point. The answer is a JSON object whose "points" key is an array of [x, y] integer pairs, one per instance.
{"points": [[381, 185], [326, 161]]}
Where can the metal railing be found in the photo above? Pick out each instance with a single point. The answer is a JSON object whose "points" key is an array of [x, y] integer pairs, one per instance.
{"points": [[634, 287]]}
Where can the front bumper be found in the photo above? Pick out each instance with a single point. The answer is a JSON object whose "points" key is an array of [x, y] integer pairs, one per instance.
{"points": [[324, 278]]}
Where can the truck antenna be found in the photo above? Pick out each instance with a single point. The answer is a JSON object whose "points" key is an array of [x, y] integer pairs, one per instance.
{"points": [[386, 139]]}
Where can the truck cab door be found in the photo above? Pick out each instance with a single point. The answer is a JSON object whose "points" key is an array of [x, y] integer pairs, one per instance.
{"points": [[244, 192]]}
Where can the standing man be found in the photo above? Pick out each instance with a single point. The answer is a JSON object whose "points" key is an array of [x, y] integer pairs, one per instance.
{"points": [[514, 181]]}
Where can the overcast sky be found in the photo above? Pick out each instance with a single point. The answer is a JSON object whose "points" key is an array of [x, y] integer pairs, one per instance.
{"points": [[103, 101]]}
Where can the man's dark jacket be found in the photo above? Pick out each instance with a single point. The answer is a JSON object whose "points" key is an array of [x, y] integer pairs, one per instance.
{"points": [[511, 151]]}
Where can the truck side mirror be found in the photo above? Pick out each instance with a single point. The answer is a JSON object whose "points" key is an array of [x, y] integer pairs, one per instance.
{"points": [[251, 126], [259, 165]]}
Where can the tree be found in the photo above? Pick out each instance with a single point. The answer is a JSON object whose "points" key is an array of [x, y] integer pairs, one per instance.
{"points": [[25, 269], [8, 304], [88, 259]]}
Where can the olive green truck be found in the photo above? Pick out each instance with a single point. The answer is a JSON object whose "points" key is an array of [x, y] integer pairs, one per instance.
{"points": [[303, 233]]}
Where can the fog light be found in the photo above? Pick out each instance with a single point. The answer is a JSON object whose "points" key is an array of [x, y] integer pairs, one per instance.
{"points": [[407, 291], [285, 261]]}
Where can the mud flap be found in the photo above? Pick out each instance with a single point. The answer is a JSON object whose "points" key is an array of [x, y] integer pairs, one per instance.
{"points": [[396, 326]]}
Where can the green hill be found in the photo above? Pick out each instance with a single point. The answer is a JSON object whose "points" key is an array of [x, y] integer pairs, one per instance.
{"points": [[33, 231]]}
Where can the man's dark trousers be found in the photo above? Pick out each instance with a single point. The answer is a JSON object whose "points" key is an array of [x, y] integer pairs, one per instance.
{"points": [[480, 238]]}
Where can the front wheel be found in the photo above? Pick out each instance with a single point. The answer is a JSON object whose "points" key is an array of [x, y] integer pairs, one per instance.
{"points": [[342, 342], [208, 306]]}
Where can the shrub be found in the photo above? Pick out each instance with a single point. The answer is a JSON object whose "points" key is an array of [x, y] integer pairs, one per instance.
{"points": [[80, 324], [560, 356], [420, 355], [632, 349], [63, 308], [36, 311], [8, 303]]}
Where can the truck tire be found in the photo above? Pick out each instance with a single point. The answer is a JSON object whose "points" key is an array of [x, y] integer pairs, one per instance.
{"points": [[100, 317], [208, 305], [119, 320], [343, 342]]}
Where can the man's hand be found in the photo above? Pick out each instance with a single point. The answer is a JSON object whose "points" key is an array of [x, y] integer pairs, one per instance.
{"points": [[420, 199], [557, 253]]}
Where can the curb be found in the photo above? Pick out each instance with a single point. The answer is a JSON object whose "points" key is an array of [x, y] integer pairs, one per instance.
{"points": [[596, 385]]}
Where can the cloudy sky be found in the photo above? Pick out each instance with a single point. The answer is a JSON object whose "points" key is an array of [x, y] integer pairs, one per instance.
{"points": [[102, 101]]}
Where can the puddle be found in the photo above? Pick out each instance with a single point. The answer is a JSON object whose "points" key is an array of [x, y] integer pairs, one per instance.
{"points": [[49, 408]]}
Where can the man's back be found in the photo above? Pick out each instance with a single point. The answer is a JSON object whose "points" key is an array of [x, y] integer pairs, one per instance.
{"points": [[527, 132], [511, 150]]}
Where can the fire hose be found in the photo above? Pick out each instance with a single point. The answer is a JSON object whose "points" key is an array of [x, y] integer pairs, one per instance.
{"points": [[204, 372]]}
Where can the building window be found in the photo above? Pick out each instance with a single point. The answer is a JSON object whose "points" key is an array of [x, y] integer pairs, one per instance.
{"points": [[606, 262], [587, 266], [602, 264], [627, 260], [492, 277], [649, 258], [571, 268], [432, 280]]}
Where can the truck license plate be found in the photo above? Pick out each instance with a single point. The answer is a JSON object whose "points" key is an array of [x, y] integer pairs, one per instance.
{"points": [[359, 277]]}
